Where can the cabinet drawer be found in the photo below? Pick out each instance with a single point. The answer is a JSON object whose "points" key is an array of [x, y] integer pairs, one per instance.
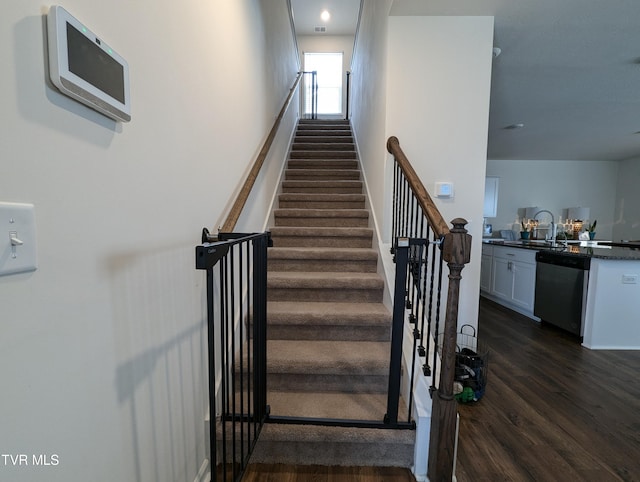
{"points": [[487, 249], [515, 254]]}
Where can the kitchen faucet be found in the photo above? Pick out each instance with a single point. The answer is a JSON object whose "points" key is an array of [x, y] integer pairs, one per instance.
{"points": [[553, 225]]}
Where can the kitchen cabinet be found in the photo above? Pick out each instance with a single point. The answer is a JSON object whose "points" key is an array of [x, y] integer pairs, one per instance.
{"points": [[511, 277], [485, 268]]}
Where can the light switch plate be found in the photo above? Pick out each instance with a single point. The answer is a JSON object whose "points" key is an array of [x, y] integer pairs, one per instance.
{"points": [[444, 189], [17, 221]]}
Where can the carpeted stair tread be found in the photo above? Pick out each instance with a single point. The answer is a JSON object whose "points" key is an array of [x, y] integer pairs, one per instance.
{"points": [[356, 218], [328, 132], [323, 259], [348, 164], [339, 136], [353, 406], [335, 186], [323, 146], [323, 154], [322, 174], [299, 280], [315, 445], [328, 321], [310, 357], [320, 313], [322, 213], [321, 232], [321, 201], [323, 127], [321, 197], [342, 254], [337, 237]]}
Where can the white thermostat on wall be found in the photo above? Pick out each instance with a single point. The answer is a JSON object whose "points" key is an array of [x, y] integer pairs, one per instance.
{"points": [[444, 189], [83, 67]]}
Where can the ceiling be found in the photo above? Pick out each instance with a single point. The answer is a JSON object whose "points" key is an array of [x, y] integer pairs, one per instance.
{"points": [[343, 21], [568, 70]]}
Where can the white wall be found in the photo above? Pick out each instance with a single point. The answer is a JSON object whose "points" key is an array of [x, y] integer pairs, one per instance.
{"points": [[627, 210], [369, 88], [102, 347], [555, 186], [329, 44], [439, 73]]}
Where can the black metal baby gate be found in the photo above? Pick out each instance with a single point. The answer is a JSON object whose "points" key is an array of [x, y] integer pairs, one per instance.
{"points": [[236, 319]]}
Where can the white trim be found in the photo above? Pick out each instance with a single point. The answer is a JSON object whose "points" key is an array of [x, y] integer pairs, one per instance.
{"points": [[204, 474]]}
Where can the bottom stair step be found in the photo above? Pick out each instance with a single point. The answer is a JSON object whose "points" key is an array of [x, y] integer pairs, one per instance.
{"points": [[350, 406], [317, 445]]}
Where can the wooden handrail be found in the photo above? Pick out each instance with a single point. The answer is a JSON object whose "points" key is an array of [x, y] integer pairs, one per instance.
{"points": [[234, 214], [437, 222]]}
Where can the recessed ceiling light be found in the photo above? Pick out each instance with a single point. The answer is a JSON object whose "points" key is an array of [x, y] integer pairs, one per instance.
{"points": [[515, 126], [325, 15]]}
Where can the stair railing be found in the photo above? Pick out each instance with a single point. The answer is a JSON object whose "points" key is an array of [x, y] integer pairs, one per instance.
{"points": [[310, 95], [241, 199], [348, 101], [422, 241], [237, 347]]}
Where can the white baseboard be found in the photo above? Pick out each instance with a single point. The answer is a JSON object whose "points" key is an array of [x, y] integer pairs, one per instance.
{"points": [[204, 475]]}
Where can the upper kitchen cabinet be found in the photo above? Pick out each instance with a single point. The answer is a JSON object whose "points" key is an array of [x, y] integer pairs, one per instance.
{"points": [[491, 184]]}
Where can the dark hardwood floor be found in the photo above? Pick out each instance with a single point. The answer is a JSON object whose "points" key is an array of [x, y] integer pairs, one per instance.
{"points": [[553, 410]]}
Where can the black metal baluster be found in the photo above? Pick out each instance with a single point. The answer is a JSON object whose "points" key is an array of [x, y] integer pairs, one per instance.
{"points": [[224, 364], [394, 211]]}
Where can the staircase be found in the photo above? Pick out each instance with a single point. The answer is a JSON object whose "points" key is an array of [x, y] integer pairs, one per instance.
{"points": [[328, 330]]}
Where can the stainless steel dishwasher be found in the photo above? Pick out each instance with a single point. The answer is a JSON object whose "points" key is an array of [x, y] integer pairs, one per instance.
{"points": [[561, 289]]}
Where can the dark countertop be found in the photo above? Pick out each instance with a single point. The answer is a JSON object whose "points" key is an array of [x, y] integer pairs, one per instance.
{"points": [[600, 252]]}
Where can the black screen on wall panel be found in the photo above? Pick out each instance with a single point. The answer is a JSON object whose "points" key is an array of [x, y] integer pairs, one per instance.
{"points": [[94, 65]]}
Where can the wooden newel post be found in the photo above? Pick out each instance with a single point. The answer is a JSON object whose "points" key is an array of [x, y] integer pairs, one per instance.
{"points": [[456, 251]]}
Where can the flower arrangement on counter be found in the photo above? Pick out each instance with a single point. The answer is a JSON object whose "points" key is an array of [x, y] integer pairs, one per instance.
{"points": [[526, 231]]}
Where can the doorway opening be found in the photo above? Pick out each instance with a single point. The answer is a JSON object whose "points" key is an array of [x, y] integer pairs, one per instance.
{"points": [[329, 81]]}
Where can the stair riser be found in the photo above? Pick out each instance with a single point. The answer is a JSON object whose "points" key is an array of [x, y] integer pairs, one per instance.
{"points": [[322, 155], [306, 265], [317, 146], [327, 127], [321, 222], [332, 332], [349, 383], [322, 164], [313, 139], [325, 294], [321, 175], [341, 136], [328, 453], [321, 205], [322, 242], [312, 187], [321, 190]]}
